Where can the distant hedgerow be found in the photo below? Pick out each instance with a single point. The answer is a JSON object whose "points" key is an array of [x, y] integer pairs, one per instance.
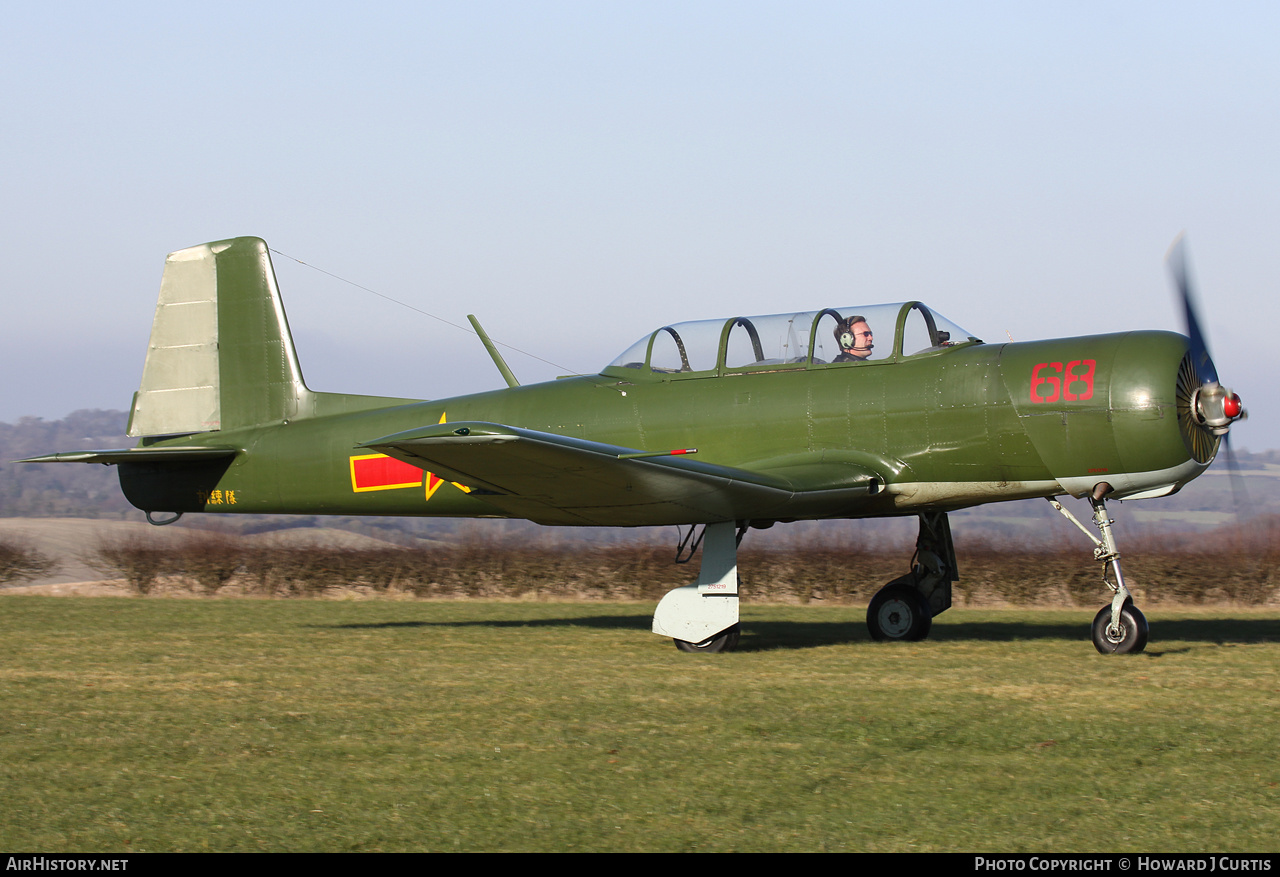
{"points": [[214, 563], [20, 562]]}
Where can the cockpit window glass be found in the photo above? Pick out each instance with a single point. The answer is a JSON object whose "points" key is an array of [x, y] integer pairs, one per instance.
{"points": [[743, 348], [916, 337], [633, 356], [923, 331], [702, 342], [864, 333], [775, 340], [825, 348], [668, 354], [949, 334]]}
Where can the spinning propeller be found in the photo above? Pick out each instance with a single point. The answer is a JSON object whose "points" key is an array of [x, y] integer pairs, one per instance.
{"points": [[1206, 409]]}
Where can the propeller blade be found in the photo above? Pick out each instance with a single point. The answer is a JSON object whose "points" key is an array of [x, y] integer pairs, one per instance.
{"points": [[1239, 492], [1177, 261]]}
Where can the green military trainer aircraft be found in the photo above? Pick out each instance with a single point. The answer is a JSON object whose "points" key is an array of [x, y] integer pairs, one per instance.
{"points": [[727, 424]]}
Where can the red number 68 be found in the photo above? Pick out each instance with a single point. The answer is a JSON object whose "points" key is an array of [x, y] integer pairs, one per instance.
{"points": [[1049, 381]]}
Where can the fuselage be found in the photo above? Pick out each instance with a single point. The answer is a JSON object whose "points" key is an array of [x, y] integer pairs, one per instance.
{"points": [[952, 427]]}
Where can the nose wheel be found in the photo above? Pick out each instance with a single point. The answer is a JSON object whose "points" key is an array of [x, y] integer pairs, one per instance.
{"points": [[1126, 636]]}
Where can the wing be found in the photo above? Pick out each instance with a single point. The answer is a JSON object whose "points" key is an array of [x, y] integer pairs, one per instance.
{"points": [[555, 479]]}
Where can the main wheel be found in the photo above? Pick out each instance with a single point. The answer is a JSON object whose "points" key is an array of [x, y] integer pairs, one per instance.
{"points": [[724, 641], [899, 613], [1131, 637]]}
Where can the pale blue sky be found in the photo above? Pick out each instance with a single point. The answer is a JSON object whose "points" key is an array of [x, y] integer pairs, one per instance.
{"points": [[577, 174]]}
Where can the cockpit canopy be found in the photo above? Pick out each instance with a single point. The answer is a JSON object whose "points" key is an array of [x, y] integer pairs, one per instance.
{"points": [[789, 341]]}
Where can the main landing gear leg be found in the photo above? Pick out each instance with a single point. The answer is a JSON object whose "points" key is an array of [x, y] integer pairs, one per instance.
{"points": [[903, 610], [1120, 628], [703, 617]]}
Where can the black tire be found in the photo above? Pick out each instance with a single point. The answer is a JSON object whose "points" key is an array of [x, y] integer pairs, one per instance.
{"points": [[899, 613], [724, 641], [1133, 631]]}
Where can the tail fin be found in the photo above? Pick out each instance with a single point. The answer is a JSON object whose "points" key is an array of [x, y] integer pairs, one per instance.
{"points": [[221, 356]]}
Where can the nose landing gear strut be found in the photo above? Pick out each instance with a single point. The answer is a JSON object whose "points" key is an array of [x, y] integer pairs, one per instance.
{"points": [[1120, 628]]}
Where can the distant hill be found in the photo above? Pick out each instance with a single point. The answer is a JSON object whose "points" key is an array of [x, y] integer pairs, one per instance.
{"points": [[81, 491]]}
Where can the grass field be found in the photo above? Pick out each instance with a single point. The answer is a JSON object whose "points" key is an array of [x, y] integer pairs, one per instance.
{"points": [[147, 725]]}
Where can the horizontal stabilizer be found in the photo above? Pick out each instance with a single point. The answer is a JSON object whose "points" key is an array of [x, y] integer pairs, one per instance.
{"points": [[554, 479], [136, 455]]}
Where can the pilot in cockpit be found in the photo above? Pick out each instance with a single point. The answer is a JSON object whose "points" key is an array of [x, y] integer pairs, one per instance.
{"points": [[854, 337]]}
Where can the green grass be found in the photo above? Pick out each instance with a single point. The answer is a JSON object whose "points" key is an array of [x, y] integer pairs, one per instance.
{"points": [[142, 725]]}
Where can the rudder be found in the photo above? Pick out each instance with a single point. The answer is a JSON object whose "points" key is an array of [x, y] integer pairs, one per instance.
{"points": [[221, 356]]}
